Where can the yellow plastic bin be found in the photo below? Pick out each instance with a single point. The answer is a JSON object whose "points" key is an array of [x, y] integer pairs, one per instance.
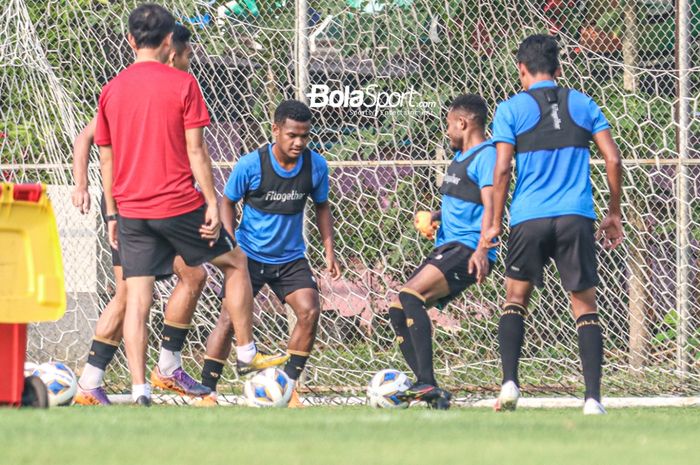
{"points": [[31, 284]]}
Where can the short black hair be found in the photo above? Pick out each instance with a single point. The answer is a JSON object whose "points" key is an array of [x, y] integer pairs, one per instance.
{"points": [[292, 109], [150, 24], [181, 36], [472, 104], [540, 54]]}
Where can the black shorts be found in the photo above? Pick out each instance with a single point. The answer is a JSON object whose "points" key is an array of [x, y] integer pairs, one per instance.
{"points": [[452, 259], [569, 240], [116, 261], [148, 247], [283, 279]]}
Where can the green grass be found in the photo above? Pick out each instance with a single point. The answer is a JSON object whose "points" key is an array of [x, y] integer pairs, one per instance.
{"points": [[236, 435]]}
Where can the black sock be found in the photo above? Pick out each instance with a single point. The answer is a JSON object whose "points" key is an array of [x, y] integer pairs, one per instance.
{"points": [[295, 365], [398, 322], [590, 346], [101, 353], [419, 328], [211, 373], [174, 335], [511, 332]]}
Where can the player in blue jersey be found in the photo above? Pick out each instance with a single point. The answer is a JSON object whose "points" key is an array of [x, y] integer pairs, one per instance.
{"points": [[457, 260], [548, 129], [274, 183]]}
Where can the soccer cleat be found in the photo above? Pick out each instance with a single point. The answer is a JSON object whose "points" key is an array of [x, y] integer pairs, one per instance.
{"points": [[423, 392], [143, 401], [593, 407], [295, 400], [508, 398], [419, 392], [179, 382], [207, 401], [96, 396], [260, 362], [441, 401]]}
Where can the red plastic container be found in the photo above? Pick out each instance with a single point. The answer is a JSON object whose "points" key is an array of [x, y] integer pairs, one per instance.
{"points": [[13, 346]]}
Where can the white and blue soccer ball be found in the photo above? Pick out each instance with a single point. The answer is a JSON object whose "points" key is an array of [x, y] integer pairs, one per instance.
{"points": [[270, 387], [30, 368], [386, 387], [60, 381]]}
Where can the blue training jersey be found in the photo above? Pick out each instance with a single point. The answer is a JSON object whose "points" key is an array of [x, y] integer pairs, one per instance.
{"points": [[461, 220], [267, 237], [549, 183]]}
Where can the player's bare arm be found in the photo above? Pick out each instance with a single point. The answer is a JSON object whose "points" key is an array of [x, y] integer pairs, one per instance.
{"points": [[501, 182], [324, 220], [610, 232], [200, 162], [229, 215], [81, 157], [479, 261], [106, 168]]}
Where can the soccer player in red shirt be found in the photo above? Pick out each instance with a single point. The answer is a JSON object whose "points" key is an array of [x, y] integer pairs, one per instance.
{"points": [[150, 126], [182, 303]]}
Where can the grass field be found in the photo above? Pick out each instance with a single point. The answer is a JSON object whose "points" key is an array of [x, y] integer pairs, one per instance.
{"points": [[125, 435]]}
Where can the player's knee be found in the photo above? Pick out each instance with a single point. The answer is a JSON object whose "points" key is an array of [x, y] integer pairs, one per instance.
{"points": [[517, 298], [139, 303], [194, 278], [308, 317]]}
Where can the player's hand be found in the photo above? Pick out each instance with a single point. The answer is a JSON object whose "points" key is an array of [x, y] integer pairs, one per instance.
{"points": [[490, 238], [610, 232], [112, 234], [333, 267], [479, 264], [425, 225], [81, 199], [212, 225]]}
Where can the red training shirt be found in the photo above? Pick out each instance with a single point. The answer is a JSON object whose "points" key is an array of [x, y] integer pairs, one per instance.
{"points": [[143, 114]]}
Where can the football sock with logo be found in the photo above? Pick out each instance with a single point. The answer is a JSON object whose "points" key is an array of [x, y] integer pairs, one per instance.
{"points": [[590, 346], [296, 363], [398, 322], [420, 330], [174, 335], [211, 372], [101, 353], [511, 333]]}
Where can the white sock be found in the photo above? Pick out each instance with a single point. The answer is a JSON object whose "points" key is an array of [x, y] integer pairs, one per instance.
{"points": [[169, 361], [246, 353], [91, 378], [138, 390]]}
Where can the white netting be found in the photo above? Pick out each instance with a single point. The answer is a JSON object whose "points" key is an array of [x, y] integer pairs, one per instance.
{"points": [[56, 54]]}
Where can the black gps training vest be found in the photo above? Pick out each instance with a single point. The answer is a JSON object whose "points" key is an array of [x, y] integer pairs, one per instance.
{"points": [[286, 196], [556, 128], [457, 182]]}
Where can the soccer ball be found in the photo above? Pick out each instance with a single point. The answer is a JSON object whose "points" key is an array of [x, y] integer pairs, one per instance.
{"points": [[30, 369], [384, 388], [269, 388], [60, 382]]}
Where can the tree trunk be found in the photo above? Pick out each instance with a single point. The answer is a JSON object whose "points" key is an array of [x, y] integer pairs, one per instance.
{"points": [[630, 45], [639, 295]]}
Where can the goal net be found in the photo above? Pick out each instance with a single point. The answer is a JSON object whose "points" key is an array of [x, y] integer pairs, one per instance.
{"points": [[386, 161]]}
